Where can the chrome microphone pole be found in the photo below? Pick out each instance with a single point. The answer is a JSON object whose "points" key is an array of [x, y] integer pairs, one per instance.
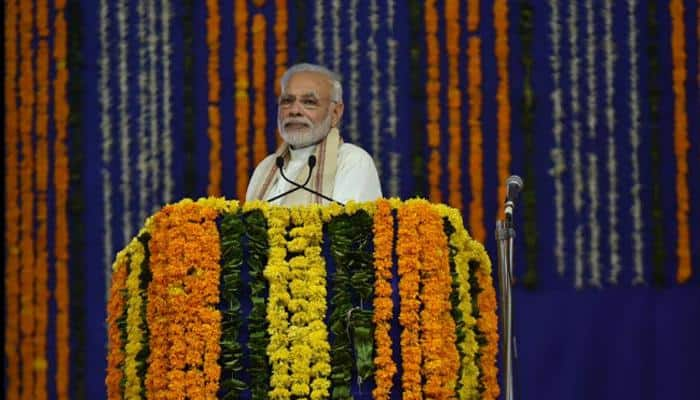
{"points": [[505, 233]]}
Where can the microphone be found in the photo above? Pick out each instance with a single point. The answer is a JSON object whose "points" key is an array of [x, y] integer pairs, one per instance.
{"points": [[312, 163], [514, 184]]}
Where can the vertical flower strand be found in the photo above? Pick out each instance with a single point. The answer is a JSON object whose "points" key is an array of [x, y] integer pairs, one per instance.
{"points": [[242, 99], [432, 91], [500, 17], [258, 36], [454, 103], [680, 140], [214, 129]]}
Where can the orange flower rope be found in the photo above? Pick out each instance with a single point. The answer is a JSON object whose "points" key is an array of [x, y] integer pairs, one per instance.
{"points": [[41, 314], [488, 325], [281, 53], [258, 32], [476, 137], [681, 143], [472, 15], [214, 130], [28, 267], [61, 174], [115, 309], [383, 304], [12, 212], [438, 336], [454, 103], [432, 89], [181, 313], [407, 246], [242, 108], [500, 14]]}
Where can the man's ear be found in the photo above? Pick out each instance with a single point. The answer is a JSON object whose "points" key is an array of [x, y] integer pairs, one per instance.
{"points": [[336, 114]]}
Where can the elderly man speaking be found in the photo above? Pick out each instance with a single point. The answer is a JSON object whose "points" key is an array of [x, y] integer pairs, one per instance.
{"points": [[308, 115]]}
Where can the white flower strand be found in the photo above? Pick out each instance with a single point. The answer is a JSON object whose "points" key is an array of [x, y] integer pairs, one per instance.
{"points": [[610, 58], [167, 107], [636, 209], [106, 128], [154, 152], [375, 105], [144, 116], [576, 145], [394, 156], [353, 49], [318, 31], [557, 152], [125, 181], [335, 6], [594, 226]]}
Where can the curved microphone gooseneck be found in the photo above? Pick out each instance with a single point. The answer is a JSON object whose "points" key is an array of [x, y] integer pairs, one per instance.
{"points": [[312, 163]]}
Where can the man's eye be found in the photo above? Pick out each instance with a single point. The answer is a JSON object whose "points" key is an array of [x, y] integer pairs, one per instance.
{"points": [[310, 102], [286, 101]]}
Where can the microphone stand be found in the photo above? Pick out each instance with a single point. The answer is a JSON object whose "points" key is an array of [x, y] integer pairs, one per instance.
{"points": [[504, 238], [312, 163]]}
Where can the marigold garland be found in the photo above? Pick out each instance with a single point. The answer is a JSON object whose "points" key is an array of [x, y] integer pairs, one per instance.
{"points": [[432, 91], [12, 209], [214, 81], [259, 37], [454, 103], [476, 137], [407, 248], [133, 387], [116, 307], [500, 16], [437, 327], [383, 304], [28, 278], [181, 313], [281, 27], [61, 177], [681, 142], [242, 99], [460, 240]]}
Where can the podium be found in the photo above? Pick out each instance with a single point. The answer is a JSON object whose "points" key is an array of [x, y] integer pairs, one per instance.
{"points": [[385, 299]]}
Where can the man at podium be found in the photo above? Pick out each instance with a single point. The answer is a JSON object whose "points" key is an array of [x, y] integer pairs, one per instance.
{"points": [[313, 165]]}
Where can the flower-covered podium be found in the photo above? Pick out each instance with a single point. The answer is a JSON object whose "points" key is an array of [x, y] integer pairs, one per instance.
{"points": [[388, 299]]}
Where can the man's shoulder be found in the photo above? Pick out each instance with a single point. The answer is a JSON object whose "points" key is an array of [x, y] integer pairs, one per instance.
{"points": [[352, 152]]}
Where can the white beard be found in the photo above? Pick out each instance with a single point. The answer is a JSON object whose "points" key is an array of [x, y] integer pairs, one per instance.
{"points": [[302, 137]]}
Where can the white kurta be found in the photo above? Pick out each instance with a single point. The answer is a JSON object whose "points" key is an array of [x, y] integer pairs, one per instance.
{"points": [[356, 177]]}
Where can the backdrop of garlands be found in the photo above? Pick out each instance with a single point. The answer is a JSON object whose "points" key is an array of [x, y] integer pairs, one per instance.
{"points": [[115, 108]]}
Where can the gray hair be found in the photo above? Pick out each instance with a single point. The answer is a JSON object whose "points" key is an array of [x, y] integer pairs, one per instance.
{"points": [[334, 78]]}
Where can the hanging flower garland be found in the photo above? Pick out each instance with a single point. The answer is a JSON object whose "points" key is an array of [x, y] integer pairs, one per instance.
{"points": [[576, 164], [135, 320], [375, 78], [167, 133], [335, 34], [124, 121], [557, 152], [437, 327], [407, 246], [277, 272], [476, 207], [681, 142], [500, 17], [454, 103], [635, 115], [488, 326], [185, 325], [281, 28], [242, 100], [353, 50], [432, 91], [258, 36], [107, 134], [383, 304], [611, 162], [391, 115], [154, 97], [28, 276], [116, 316], [214, 81], [319, 35], [12, 211], [144, 113], [459, 240]]}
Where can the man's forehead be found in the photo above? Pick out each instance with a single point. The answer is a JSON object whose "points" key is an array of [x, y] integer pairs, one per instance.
{"points": [[307, 83]]}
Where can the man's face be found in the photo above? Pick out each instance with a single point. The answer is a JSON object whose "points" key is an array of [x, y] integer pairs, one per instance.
{"points": [[305, 111]]}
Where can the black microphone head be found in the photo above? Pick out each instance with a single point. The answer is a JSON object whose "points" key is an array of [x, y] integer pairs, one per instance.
{"points": [[312, 161], [280, 162], [514, 184]]}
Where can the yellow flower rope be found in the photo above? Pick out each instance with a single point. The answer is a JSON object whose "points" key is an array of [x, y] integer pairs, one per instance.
{"points": [[115, 309], [134, 321]]}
